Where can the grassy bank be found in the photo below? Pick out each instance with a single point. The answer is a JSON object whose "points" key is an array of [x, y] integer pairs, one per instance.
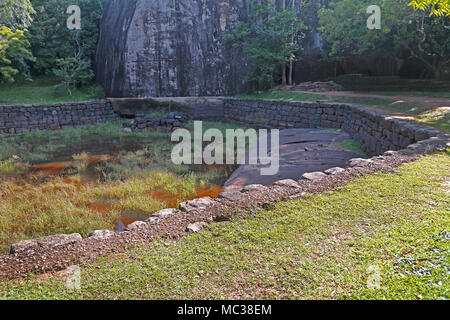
{"points": [[387, 231], [44, 90]]}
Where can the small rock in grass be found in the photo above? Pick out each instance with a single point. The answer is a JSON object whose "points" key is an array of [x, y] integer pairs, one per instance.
{"points": [[314, 176], [196, 227]]}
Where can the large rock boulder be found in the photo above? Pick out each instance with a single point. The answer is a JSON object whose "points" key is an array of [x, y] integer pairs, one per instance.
{"points": [[169, 48]]}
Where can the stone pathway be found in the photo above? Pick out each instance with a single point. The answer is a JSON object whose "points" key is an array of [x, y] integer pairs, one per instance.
{"points": [[301, 151]]}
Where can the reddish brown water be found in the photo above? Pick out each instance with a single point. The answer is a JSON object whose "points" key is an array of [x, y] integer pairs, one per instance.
{"points": [[90, 175]]}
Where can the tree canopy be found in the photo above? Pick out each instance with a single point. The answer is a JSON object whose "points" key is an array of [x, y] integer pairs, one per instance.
{"points": [[435, 7], [16, 14], [270, 40], [404, 32]]}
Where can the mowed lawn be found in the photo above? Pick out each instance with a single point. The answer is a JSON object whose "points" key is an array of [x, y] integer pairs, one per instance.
{"points": [[383, 236]]}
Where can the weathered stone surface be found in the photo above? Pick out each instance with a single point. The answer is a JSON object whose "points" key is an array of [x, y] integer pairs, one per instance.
{"points": [[359, 162], [53, 116], [232, 196], [46, 242], [165, 213], [169, 48], [287, 183], [254, 188], [334, 171], [101, 234], [136, 225], [23, 246], [196, 227], [197, 204], [314, 176], [301, 150]]}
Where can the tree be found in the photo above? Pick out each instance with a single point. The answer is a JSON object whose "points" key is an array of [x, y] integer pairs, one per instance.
{"points": [[269, 40], [16, 14], [435, 7], [51, 39], [14, 54], [404, 32], [72, 72]]}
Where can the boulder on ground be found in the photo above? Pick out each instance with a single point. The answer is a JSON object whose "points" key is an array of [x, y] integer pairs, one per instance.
{"points": [[232, 196], [287, 183], [101, 234], [334, 171], [165, 213], [313, 176], [46, 242], [197, 204]]}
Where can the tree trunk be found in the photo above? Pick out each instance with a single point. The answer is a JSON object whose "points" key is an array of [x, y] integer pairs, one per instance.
{"points": [[291, 73], [437, 74], [283, 75]]}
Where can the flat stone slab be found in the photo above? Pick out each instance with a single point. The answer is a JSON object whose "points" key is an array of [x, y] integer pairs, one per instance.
{"points": [[301, 151]]}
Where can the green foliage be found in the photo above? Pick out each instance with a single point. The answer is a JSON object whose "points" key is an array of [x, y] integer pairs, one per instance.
{"points": [[435, 7], [14, 54], [404, 32], [73, 72], [269, 39], [16, 14], [51, 39]]}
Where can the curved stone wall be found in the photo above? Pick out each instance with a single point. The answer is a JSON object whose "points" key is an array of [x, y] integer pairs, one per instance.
{"points": [[376, 132]]}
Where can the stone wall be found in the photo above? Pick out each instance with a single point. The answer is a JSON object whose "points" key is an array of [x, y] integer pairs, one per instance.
{"points": [[19, 119], [199, 108], [377, 133]]}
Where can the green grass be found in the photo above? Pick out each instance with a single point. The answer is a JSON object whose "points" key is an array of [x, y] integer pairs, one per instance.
{"points": [[354, 146], [326, 246], [428, 94], [438, 118], [43, 90], [284, 95]]}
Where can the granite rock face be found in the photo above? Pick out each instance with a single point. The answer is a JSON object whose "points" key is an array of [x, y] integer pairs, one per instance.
{"points": [[155, 48]]}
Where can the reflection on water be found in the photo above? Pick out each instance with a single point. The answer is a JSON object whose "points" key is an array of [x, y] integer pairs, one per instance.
{"points": [[90, 174]]}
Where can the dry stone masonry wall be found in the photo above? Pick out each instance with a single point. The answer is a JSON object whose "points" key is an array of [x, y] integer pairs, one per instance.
{"points": [[377, 133], [19, 119]]}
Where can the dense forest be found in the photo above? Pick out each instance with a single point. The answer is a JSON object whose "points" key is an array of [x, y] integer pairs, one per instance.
{"points": [[279, 39]]}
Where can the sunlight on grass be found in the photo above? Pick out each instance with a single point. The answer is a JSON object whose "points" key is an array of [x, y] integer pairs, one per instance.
{"points": [[320, 247]]}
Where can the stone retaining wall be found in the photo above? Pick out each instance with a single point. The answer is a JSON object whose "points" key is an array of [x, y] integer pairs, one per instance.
{"points": [[19, 119], [377, 133]]}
